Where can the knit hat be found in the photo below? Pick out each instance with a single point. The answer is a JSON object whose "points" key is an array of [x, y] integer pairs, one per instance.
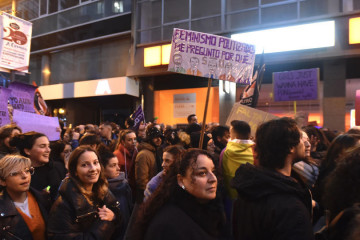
{"points": [[153, 132]]}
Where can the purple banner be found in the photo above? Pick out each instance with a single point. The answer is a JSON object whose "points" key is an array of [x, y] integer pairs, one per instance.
{"points": [[38, 123], [4, 113], [138, 117], [22, 97], [296, 85]]}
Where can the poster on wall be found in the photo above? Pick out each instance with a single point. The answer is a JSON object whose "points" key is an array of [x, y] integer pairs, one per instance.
{"points": [[296, 85], [22, 97], [15, 39], [216, 57], [4, 113], [184, 105]]}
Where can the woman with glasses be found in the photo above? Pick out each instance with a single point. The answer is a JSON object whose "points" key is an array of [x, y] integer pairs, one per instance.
{"points": [[85, 208], [36, 146], [23, 210]]}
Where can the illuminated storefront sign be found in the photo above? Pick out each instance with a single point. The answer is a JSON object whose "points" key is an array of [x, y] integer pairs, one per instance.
{"points": [[306, 36], [354, 30], [156, 56]]}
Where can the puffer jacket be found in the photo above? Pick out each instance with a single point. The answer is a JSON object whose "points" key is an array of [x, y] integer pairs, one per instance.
{"points": [[73, 217], [145, 168], [12, 225]]}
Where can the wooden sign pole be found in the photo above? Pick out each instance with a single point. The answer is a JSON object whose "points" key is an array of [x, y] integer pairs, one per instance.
{"points": [[205, 112]]}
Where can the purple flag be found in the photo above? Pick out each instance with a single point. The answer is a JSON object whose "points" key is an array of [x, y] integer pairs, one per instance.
{"points": [[22, 97], [4, 114], [138, 117]]}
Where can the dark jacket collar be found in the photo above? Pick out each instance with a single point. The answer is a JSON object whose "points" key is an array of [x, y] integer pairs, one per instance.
{"points": [[209, 216]]}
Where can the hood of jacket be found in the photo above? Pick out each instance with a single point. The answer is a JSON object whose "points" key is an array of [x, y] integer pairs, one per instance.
{"points": [[255, 183], [239, 151], [146, 146]]}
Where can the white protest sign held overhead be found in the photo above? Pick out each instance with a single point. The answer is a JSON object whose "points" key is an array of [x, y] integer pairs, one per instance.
{"points": [[211, 56]]}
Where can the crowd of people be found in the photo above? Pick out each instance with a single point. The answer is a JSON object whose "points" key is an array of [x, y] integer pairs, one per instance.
{"points": [[153, 182]]}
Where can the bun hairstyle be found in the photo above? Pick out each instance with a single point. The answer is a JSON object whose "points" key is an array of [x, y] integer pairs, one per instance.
{"points": [[25, 141]]}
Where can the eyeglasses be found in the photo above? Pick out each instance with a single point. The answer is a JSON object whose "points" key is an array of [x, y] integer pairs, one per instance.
{"points": [[29, 170]]}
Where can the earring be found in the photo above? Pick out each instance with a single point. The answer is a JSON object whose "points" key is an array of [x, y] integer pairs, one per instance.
{"points": [[183, 187]]}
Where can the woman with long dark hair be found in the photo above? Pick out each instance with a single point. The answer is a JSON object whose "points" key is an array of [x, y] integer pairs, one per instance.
{"points": [[189, 193], [36, 146], [85, 208]]}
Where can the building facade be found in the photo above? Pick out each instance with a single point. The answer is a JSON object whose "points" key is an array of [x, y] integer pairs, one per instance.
{"points": [[83, 40]]}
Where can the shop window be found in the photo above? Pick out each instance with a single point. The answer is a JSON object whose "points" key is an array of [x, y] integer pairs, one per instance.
{"points": [[43, 7], [273, 1], [175, 10], [243, 19], [149, 14], [117, 6], [200, 8], [311, 8], [53, 6], [234, 5], [168, 30], [64, 4], [148, 36], [279, 13], [28, 9], [210, 25]]}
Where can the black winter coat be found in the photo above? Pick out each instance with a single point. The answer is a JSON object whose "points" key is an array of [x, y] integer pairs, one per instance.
{"points": [[184, 218], [122, 192], [270, 206], [12, 225], [73, 217]]}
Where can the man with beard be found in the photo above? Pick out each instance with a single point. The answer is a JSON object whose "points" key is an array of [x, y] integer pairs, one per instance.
{"points": [[148, 161], [271, 204]]}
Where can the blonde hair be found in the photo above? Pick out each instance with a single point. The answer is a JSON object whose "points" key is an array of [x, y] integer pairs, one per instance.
{"points": [[12, 162]]}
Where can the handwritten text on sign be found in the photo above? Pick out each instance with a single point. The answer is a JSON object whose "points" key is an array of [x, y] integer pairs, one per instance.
{"points": [[211, 56], [296, 85]]}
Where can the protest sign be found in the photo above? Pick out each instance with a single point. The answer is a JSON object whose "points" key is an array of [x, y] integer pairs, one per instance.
{"points": [[184, 105], [296, 85], [38, 123], [138, 117], [211, 56], [15, 39], [252, 116], [22, 97], [4, 114]]}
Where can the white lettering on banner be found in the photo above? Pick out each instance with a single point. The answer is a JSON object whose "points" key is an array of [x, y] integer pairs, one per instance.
{"points": [[103, 87]]}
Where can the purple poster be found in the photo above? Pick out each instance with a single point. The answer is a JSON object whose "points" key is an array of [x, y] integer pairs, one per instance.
{"points": [[38, 123], [4, 114], [22, 97], [296, 85]]}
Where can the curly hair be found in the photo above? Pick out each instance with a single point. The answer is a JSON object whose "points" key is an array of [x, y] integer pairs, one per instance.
{"points": [[274, 141], [342, 187], [100, 188], [166, 189]]}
